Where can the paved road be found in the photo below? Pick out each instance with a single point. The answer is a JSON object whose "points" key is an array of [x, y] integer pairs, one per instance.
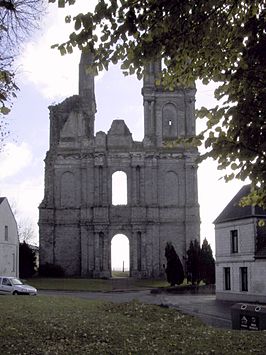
{"points": [[205, 307]]}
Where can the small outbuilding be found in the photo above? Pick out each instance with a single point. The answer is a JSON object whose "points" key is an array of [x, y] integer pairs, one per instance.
{"points": [[241, 252], [9, 240]]}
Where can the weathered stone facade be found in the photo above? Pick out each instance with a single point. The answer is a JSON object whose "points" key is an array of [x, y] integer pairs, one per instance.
{"points": [[77, 218]]}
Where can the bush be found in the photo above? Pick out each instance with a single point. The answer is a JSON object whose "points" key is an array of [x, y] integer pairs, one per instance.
{"points": [[27, 260], [200, 263], [174, 269], [51, 270], [207, 264]]}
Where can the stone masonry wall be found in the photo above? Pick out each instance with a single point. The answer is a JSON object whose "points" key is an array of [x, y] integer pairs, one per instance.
{"points": [[77, 217]]}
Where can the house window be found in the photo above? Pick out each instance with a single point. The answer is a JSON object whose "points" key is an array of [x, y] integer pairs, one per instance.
{"points": [[234, 241], [227, 278], [6, 233], [244, 278], [13, 262]]}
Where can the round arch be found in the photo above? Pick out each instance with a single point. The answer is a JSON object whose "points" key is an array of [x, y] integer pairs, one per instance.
{"points": [[120, 255], [119, 188]]}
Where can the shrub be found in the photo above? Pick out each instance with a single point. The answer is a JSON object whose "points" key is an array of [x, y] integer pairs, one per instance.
{"points": [[174, 269], [200, 263], [27, 260], [207, 264], [193, 262]]}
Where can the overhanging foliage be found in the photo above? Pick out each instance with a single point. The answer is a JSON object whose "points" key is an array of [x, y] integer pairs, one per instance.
{"points": [[17, 20]]}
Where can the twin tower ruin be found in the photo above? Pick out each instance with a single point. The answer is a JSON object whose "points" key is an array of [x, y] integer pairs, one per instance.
{"points": [[77, 216]]}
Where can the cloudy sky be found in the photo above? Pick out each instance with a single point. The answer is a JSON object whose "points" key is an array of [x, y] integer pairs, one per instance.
{"points": [[45, 78]]}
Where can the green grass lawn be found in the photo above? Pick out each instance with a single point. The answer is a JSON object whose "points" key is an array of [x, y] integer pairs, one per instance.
{"points": [[71, 284], [120, 273], [63, 325]]}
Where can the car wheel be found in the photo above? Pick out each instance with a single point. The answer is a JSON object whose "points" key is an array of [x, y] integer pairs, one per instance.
{"points": [[15, 293]]}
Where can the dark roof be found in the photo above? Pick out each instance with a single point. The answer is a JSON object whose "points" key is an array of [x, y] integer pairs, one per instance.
{"points": [[233, 211], [1, 199]]}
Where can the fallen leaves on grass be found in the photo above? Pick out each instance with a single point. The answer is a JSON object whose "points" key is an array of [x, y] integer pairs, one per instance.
{"points": [[61, 325]]}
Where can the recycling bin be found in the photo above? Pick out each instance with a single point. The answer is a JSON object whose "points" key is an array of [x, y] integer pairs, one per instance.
{"points": [[248, 316]]}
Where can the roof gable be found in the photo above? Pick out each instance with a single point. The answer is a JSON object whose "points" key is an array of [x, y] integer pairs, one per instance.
{"points": [[1, 199], [233, 211]]}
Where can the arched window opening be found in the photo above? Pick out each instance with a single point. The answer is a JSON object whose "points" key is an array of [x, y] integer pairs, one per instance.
{"points": [[120, 256], [119, 188], [170, 129]]}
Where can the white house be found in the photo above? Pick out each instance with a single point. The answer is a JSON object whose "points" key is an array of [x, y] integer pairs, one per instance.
{"points": [[241, 252], [9, 241]]}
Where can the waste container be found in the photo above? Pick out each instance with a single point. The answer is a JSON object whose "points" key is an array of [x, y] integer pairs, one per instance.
{"points": [[248, 316]]}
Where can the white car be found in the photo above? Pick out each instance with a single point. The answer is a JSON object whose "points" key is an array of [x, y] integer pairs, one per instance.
{"points": [[14, 286]]}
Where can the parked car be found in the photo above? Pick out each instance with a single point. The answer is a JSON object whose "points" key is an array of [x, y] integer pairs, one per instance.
{"points": [[14, 286]]}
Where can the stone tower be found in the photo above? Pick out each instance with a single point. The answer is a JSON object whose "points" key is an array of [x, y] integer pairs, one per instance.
{"points": [[77, 216]]}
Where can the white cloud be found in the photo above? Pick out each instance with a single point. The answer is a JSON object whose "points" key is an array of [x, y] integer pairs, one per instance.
{"points": [[214, 195], [52, 74], [14, 158], [55, 76], [29, 196], [25, 197]]}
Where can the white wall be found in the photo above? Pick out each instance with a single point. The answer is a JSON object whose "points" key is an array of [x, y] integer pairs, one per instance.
{"points": [[9, 249], [246, 242], [244, 258]]}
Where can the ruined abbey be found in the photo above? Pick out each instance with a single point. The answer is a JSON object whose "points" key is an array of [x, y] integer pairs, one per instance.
{"points": [[78, 218]]}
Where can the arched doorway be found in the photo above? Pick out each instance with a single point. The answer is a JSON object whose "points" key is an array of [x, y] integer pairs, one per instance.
{"points": [[120, 264]]}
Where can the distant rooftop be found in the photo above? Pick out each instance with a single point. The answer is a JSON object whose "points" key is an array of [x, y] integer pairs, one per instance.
{"points": [[233, 211], [1, 199]]}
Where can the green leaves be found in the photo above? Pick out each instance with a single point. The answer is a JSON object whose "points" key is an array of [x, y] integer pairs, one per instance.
{"points": [[61, 3], [8, 90], [234, 166], [68, 19], [18, 20], [78, 22], [4, 110], [62, 50]]}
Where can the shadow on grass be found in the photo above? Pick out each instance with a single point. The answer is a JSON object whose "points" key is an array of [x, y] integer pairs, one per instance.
{"points": [[75, 284]]}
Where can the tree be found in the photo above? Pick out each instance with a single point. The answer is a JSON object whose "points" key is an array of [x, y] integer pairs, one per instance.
{"points": [[27, 260], [200, 263], [219, 40], [26, 231], [193, 262], [18, 18], [207, 263], [174, 269]]}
